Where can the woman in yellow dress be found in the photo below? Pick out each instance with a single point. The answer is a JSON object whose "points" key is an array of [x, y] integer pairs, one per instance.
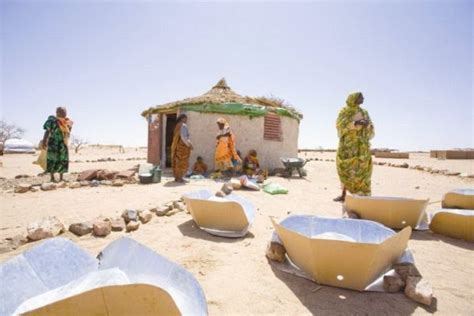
{"points": [[225, 148], [354, 161]]}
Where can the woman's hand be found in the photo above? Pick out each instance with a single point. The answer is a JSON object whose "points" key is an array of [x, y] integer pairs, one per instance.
{"points": [[362, 122]]}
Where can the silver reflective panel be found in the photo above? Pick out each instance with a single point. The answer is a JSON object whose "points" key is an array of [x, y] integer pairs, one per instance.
{"points": [[58, 269]]}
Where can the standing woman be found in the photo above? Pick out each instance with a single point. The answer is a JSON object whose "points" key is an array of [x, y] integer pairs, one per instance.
{"points": [[225, 148], [354, 161], [56, 138], [180, 149]]}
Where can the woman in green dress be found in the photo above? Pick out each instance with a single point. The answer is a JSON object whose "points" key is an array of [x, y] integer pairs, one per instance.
{"points": [[354, 161], [56, 138]]}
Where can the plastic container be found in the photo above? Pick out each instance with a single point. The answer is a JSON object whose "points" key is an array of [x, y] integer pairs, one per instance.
{"points": [[146, 178], [156, 172]]}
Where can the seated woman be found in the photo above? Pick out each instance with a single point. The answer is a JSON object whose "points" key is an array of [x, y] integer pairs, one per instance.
{"points": [[251, 164], [199, 168]]}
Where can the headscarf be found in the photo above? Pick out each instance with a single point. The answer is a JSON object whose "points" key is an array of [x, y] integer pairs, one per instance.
{"points": [[353, 98], [226, 129]]}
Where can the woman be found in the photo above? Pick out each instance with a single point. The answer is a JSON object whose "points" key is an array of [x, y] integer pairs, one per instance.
{"points": [[180, 149], [226, 154], [251, 163], [56, 138], [354, 161]]}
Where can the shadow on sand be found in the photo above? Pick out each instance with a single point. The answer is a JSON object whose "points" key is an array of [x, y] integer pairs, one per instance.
{"points": [[190, 229], [430, 236], [329, 300]]}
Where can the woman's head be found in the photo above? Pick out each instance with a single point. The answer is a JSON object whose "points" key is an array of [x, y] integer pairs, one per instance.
{"points": [[61, 112], [182, 118], [199, 158], [221, 123], [355, 99], [253, 153]]}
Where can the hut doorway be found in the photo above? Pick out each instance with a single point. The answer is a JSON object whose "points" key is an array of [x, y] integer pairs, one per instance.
{"points": [[170, 125]]}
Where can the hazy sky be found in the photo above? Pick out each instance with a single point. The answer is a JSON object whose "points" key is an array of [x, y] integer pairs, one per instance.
{"points": [[106, 62]]}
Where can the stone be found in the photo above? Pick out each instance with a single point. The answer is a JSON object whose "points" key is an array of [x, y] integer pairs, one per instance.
{"points": [[161, 211], [94, 183], [44, 228], [172, 212], [353, 215], [179, 205], [105, 182], [61, 185], [126, 174], [227, 188], [419, 290], [145, 216], [106, 175], [101, 228], [80, 229], [118, 224], [403, 165], [131, 226], [406, 269], [85, 183], [17, 241], [117, 183], [393, 283], [88, 175], [74, 185], [130, 215], [220, 194], [34, 189], [22, 176], [48, 186], [276, 252], [453, 174], [22, 188]]}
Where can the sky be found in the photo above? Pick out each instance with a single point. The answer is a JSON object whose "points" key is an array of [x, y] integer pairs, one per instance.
{"points": [[108, 61]]}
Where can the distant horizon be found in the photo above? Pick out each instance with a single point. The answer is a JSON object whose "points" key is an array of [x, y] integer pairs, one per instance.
{"points": [[107, 62]]}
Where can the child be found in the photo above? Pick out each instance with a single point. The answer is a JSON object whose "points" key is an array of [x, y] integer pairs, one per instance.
{"points": [[199, 168], [251, 164], [252, 167]]}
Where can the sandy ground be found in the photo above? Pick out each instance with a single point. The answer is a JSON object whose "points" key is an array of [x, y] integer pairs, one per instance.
{"points": [[234, 273]]}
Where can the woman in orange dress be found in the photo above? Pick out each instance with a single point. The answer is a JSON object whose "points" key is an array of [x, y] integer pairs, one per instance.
{"points": [[225, 148], [180, 149]]}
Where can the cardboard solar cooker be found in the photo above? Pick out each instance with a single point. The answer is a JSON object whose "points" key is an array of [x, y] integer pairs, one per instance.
{"points": [[347, 253], [230, 216], [58, 278], [393, 212], [456, 218]]}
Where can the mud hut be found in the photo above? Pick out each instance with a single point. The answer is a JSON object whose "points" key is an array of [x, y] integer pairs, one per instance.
{"points": [[265, 124]]}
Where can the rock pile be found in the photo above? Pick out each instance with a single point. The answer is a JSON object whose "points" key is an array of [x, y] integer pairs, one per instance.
{"points": [[407, 278]]}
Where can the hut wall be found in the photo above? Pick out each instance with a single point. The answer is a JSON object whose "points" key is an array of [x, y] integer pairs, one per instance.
{"points": [[249, 135]]}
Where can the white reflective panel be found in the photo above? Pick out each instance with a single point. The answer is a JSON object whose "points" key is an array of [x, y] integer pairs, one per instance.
{"points": [[57, 269]]}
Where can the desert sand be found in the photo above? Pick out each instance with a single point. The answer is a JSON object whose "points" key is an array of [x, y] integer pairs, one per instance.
{"points": [[234, 273]]}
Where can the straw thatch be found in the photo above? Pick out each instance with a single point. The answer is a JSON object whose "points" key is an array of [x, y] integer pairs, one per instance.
{"points": [[221, 93]]}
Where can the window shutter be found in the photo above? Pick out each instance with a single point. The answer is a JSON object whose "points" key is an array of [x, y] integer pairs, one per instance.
{"points": [[272, 127]]}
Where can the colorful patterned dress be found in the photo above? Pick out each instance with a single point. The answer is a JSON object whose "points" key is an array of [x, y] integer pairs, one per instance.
{"points": [[180, 152], [57, 159], [354, 161]]}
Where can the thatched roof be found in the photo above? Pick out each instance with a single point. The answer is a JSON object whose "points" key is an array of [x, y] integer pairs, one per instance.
{"points": [[221, 93]]}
